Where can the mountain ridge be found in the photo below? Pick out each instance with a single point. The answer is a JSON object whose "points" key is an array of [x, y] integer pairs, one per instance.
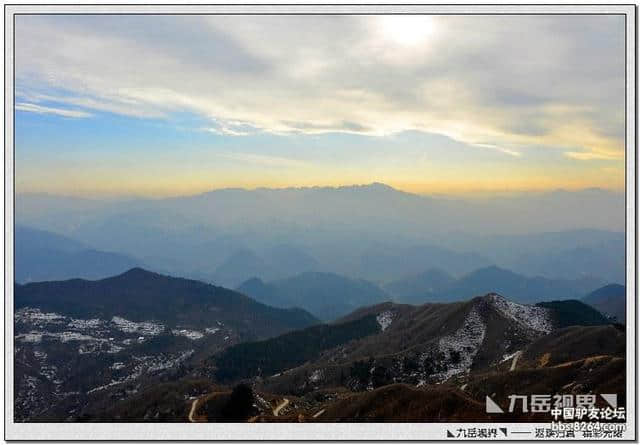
{"points": [[139, 295], [436, 341]]}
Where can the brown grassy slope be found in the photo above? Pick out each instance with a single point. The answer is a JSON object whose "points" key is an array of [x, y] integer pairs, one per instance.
{"points": [[594, 375], [442, 403], [404, 403], [164, 402], [573, 343]]}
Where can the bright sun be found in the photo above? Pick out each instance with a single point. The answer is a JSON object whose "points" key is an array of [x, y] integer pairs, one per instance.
{"points": [[407, 29]]}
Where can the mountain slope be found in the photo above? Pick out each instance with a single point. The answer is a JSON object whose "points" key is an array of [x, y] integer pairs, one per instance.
{"points": [[140, 295], [288, 350], [610, 300], [568, 361], [573, 312], [573, 343], [428, 343], [41, 255], [389, 362]]}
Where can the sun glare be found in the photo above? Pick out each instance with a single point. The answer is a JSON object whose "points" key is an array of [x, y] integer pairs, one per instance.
{"points": [[407, 30]]}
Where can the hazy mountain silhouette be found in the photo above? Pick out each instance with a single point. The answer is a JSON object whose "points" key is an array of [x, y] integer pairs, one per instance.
{"points": [[610, 300], [41, 256], [389, 262], [265, 293], [519, 287], [326, 295], [372, 231], [431, 281], [279, 261]]}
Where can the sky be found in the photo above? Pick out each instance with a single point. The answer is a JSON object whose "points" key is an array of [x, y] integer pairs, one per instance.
{"points": [[174, 105]]}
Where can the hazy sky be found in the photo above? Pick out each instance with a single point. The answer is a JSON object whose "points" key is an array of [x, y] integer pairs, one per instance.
{"points": [[169, 105]]}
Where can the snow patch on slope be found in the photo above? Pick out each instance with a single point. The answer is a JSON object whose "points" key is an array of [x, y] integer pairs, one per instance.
{"points": [[191, 335], [145, 327], [34, 316], [316, 376], [384, 319], [465, 342], [533, 317]]}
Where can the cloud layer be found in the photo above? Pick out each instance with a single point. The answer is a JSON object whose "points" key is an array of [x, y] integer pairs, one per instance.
{"points": [[503, 83]]}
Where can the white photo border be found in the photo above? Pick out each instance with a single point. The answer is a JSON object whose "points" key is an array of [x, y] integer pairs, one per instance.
{"points": [[305, 431]]}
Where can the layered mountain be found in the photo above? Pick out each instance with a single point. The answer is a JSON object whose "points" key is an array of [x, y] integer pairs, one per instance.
{"points": [[386, 261], [606, 259], [266, 293], [610, 300], [435, 286], [372, 231], [326, 295], [566, 254], [376, 205], [42, 256], [276, 262]]}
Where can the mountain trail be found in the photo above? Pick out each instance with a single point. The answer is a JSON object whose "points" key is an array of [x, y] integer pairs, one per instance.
{"points": [[516, 356], [278, 408], [192, 411]]}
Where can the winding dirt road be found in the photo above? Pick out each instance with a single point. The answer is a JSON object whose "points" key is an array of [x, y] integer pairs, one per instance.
{"points": [[282, 404], [194, 406], [515, 360]]}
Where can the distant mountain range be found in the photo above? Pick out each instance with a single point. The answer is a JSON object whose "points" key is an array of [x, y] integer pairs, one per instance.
{"points": [[428, 282], [521, 288], [276, 262], [330, 296], [372, 231]]}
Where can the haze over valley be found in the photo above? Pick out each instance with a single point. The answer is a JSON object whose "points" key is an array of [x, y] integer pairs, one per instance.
{"points": [[371, 232]]}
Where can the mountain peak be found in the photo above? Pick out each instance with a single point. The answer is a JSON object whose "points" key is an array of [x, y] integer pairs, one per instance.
{"points": [[253, 281], [493, 271], [381, 186], [136, 273], [372, 186]]}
